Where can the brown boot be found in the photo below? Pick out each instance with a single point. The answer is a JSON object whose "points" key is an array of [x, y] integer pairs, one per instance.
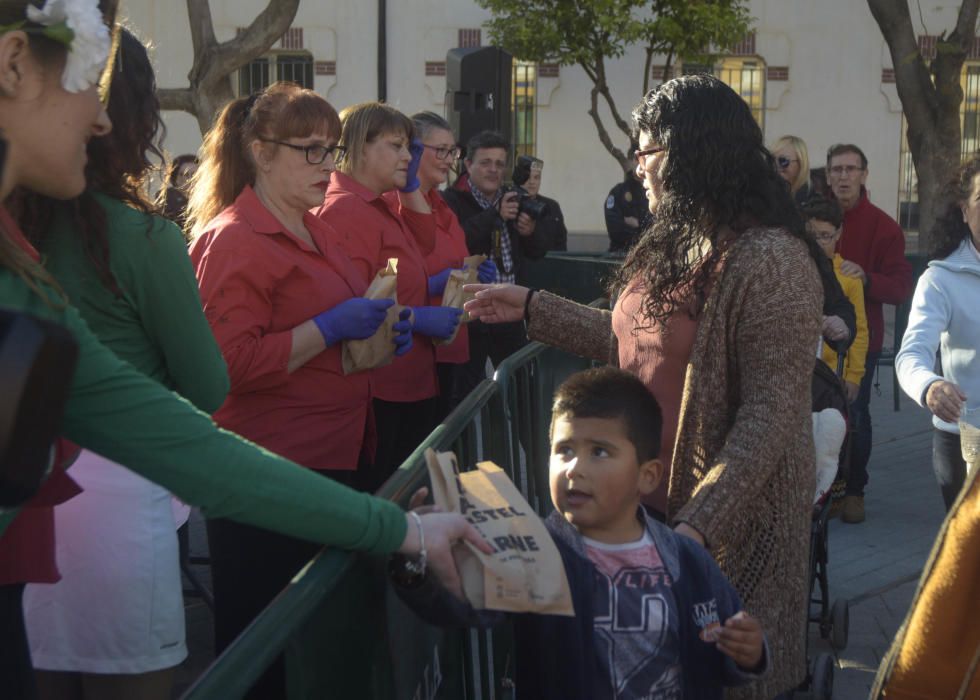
{"points": [[853, 510]]}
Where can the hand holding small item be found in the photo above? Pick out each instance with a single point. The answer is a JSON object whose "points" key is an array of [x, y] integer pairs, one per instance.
{"points": [[356, 318], [487, 272], [436, 321], [741, 639], [403, 332]]}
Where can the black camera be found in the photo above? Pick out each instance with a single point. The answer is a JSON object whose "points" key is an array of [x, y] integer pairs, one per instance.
{"points": [[526, 204]]}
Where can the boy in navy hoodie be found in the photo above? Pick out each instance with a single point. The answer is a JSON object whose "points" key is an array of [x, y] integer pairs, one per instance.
{"points": [[654, 616]]}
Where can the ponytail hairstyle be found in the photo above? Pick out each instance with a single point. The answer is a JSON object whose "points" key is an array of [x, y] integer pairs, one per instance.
{"points": [[282, 111], [365, 122]]}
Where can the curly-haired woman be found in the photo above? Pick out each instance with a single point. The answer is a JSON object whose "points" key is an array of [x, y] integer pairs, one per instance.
{"points": [[945, 316], [718, 312]]}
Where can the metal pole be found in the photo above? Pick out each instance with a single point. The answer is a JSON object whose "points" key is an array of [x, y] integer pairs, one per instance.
{"points": [[382, 50]]}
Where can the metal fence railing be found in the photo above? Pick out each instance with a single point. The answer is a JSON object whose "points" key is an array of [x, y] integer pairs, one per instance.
{"points": [[343, 631]]}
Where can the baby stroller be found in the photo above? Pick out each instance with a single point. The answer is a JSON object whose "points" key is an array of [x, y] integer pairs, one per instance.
{"points": [[830, 436]]}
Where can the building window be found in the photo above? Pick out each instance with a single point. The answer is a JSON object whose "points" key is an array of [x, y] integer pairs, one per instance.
{"points": [[908, 182], [744, 75], [747, 77], [279, 65], [524, 103]]}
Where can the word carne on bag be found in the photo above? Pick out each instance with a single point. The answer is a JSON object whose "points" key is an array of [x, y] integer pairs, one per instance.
{"points": [[525, 572], [379, 349]]}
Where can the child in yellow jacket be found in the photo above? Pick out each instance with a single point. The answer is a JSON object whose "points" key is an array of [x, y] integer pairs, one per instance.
{"points": [[823, 220]]}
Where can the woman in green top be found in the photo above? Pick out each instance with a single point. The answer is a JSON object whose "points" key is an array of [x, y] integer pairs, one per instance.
{"points": [[114, 624], [49, 109]]}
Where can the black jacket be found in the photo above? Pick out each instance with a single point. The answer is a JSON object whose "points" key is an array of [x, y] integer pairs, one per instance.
{"points": [[625, 199], [551, 225], [556, 657], [480, 224]]}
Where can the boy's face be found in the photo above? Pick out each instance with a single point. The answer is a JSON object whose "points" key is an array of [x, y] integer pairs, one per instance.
{"points": [[596, 478], [826, 234]]}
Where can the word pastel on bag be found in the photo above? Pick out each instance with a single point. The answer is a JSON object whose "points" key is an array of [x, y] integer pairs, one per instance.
{"points": [[525, 572]]}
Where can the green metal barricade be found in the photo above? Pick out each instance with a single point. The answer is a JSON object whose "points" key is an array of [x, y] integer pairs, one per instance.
{"points": [[344, 632]]}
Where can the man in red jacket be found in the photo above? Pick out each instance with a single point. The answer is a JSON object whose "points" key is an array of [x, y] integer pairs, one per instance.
{"points": [[873, 247]]}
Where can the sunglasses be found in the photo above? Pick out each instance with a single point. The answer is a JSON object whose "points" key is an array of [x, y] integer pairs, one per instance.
{"points": [[783, 162]]}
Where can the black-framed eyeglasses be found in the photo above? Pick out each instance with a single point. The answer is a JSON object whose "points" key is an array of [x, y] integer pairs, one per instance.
{"points": [[315, 153], [641, 154], [783, 162], [442, 152]]}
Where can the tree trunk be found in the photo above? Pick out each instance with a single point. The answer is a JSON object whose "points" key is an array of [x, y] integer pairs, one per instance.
{"points": [[931, 98], [210, 86]]}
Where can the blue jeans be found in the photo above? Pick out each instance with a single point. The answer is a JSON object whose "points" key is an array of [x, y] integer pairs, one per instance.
{"points": [[860, 416]]}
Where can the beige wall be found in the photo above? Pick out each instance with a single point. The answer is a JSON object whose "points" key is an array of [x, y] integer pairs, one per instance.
{"points": [[833, 49]]}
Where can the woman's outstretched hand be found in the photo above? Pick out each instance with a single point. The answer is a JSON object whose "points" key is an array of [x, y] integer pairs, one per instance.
{"points": [[496, 303], [442, 531]]}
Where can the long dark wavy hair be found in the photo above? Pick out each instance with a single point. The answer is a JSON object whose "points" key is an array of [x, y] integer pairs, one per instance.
{"points": [[949, 230], [716, 174], [119, 163]]}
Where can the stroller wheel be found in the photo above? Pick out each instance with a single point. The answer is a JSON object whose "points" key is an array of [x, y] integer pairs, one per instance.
{"points": [[822, 687], [840, 616]]}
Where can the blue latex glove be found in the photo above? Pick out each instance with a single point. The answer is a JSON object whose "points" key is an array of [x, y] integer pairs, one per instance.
{"points": [[437, 283], [354, 319], [403, 331], [487, 272], [436, 321], [412, 181]]}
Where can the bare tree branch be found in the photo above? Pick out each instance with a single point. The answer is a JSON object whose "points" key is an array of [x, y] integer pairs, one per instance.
{"points": [[256, 39], [180, 99], [603, 133], [966, 21], [202, 26], [911, 74]]}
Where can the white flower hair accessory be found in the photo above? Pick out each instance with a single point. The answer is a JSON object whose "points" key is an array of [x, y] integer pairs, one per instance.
{"points": [[79, 25]]}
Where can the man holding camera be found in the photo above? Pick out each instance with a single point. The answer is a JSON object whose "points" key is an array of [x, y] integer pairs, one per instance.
{"points": [[495, 226], [549, 221]]}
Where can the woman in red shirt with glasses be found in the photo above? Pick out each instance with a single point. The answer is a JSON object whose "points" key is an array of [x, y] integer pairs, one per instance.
{"points": [[280, 295], [381, 157], [449, 247]]}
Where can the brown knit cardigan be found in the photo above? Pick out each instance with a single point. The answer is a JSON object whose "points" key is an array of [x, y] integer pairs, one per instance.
{"points": [[743, 466]]}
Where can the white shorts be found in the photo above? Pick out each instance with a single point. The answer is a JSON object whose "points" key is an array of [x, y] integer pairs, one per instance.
{"points": [[119, 605]]}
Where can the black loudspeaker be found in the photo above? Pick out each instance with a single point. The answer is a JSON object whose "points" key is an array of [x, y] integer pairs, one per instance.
{"points": [[479, 81]]}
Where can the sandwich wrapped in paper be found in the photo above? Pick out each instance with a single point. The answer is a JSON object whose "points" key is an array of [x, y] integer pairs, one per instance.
{"points": [[455, 296], [379, 349], [525, 573]]}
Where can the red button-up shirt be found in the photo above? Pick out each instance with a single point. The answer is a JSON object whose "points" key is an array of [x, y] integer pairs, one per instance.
{"points": [[371, 230], [449, 251], [258, 281]]}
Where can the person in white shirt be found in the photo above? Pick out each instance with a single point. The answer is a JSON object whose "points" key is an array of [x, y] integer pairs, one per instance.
{"points": [[945, 315]]}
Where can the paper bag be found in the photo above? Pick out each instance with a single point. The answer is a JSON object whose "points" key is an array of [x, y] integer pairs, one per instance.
{"points": [[525, 573], [379, 349], [455, 296]]}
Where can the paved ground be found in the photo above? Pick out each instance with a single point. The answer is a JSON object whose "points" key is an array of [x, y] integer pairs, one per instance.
{"points": [[874, 565]]}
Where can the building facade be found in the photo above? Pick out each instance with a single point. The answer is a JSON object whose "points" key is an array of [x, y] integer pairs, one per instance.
{"points": [[819, 70]]}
